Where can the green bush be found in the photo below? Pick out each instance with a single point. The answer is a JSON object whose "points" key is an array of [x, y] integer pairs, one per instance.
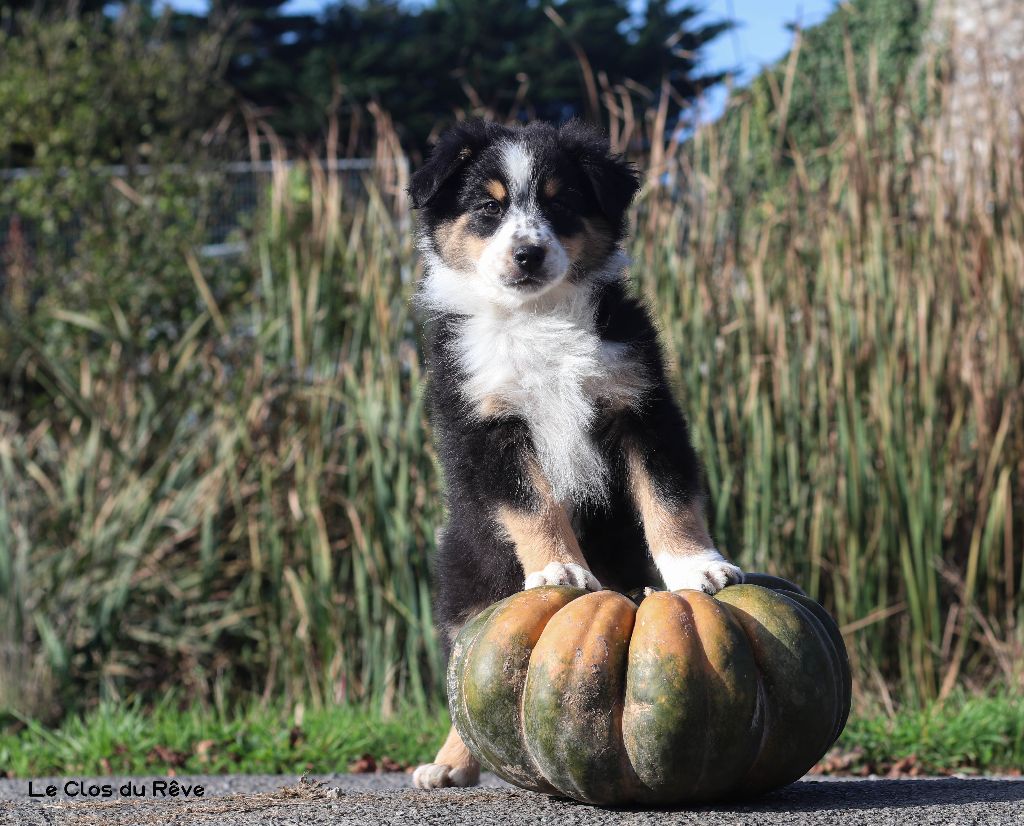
{"points": [[796, 115], [79, 94]]}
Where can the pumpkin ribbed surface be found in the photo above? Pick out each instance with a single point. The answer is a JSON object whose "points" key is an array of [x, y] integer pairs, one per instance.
{"points": [[684, 697]]}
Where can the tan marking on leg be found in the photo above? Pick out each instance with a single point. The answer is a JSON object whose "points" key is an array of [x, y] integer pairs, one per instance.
{"points": [[455, 754], [542, 535], [674, 530], [496, 189], [454, 765], [459, 247]]}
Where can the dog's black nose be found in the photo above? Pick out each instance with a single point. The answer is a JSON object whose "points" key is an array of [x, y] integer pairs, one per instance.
{"points": [[529, 258]]}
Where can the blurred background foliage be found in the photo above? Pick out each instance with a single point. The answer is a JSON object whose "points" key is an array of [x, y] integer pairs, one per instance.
{"points": [[794, 112], [422, 63], [83, 92], [215, 471]]}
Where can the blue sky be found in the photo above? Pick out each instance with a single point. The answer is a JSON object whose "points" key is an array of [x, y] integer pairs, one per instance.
{"points": [[760, 38]]}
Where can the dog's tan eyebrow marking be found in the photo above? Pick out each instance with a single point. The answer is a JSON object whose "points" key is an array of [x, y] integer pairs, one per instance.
{"points": [[496, 189], [552, 186]]}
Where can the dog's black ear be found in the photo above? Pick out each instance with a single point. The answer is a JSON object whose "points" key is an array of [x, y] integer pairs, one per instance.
{"points": [[455, 147], [613, 178]]}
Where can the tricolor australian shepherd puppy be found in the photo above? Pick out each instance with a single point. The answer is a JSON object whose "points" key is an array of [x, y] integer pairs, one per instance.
{"points": [[566, 459]]}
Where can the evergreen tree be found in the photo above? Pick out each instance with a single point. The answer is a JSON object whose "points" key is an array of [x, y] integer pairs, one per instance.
{"points": [[425, 66]]}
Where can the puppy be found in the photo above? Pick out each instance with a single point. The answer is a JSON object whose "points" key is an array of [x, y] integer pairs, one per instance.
{"points": [[566, 460]]}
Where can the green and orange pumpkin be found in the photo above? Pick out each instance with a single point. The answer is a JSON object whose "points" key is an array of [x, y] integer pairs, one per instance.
{"points": [[680, 698]]}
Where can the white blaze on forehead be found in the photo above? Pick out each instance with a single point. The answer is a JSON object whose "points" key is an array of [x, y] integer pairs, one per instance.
{"points": [[518, 166]]}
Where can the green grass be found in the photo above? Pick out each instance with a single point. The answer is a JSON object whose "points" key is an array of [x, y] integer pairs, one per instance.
{"points": [[128, 740], [967, 734]]}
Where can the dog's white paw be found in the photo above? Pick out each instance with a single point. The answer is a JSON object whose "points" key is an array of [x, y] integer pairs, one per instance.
{"points": [[441, 775], [563, 573], [707, 571]]}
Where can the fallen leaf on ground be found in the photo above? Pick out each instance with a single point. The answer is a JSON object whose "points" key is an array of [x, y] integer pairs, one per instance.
{"points": [[905, 767], [364, 765], [162, 754], [838, 762], [389, 765], [202, 750]]}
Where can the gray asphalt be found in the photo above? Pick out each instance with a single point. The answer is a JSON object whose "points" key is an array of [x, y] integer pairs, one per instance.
{"points": [[348, 800]]}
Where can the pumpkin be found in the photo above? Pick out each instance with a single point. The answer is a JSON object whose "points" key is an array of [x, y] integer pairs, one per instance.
{"points": [[675, 697]]}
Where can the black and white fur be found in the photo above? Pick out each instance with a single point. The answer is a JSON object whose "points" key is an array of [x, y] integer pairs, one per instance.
{"points": [[566, 459]]}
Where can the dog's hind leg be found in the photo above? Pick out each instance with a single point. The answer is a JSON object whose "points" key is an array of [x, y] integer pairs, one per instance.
{"points": [[453, 766]]}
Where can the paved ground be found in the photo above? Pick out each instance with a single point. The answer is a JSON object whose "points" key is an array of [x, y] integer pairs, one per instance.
{"points": [[364, 800]]}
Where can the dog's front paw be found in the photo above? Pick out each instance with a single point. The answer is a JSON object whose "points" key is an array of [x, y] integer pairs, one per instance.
{"points": [[441, 775], [707, 571], [563, 573]]}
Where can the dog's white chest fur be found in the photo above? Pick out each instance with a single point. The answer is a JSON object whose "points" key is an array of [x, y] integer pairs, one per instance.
{"points": [[549, 366]]}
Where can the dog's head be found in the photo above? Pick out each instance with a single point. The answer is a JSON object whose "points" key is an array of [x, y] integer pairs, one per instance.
{"points": [[510, 213]]}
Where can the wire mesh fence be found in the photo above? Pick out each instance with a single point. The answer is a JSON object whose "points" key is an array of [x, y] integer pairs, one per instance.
{"points": [[229, 195]]}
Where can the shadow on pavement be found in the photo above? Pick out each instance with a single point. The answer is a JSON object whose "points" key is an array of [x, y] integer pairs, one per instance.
{"points": [[824, 795]]}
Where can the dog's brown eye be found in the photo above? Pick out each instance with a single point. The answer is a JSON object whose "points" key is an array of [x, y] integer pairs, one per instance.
{"points": [[492, 209]]}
